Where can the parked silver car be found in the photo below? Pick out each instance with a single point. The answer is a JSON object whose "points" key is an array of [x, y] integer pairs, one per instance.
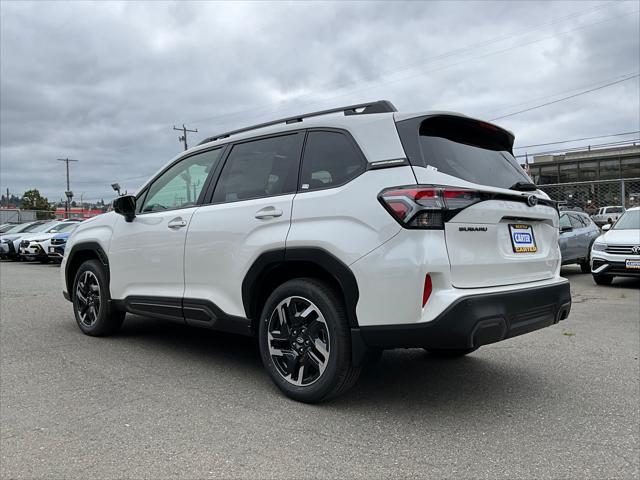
{"points": [[577, 234]]}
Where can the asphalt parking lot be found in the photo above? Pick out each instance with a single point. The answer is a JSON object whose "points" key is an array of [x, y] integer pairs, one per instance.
{"points": [[164, 401]]}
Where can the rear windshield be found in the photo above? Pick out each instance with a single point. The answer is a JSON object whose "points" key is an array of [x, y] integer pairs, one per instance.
{"points": [[468, 149]]}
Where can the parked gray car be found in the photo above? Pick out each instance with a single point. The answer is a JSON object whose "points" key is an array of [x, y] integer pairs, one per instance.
{"points": [[577, 234]]}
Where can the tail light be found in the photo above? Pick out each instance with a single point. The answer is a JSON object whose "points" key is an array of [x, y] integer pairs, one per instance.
{"points": [[426, 207]]}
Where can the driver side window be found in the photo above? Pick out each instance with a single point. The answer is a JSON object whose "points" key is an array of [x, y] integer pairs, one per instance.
{"points": [[180, 186]]}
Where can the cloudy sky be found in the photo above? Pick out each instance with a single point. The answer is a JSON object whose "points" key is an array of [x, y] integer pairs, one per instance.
{"points": [[104, 83]]}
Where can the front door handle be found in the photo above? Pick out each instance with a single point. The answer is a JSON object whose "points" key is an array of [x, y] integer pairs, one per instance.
{"points": [[176, 223], [268, 212]]}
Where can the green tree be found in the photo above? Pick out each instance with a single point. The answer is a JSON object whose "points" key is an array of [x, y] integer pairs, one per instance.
{"points": [[32, 200]]}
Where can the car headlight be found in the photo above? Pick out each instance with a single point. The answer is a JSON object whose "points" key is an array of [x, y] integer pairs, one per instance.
{"points": [[599, 247]]}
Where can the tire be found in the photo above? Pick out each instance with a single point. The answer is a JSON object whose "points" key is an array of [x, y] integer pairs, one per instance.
{"points": [[450, 352], [307, 356], [585, 266], [603, 279], [91, 301]]}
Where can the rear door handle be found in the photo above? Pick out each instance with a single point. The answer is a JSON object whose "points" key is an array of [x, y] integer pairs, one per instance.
{"points": [[176, 223], [268, 212]]}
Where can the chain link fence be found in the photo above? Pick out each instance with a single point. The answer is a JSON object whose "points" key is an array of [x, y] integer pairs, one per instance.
{"points": [[17, 215], [590, 196]]}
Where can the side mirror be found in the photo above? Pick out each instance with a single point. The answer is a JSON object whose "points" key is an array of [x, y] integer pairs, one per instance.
{"points": [[606, 226], [125, 206], [566, 229]]}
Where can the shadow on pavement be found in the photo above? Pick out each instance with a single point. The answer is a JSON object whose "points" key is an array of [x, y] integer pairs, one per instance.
{"points": [[570, 272], [401, 378]]}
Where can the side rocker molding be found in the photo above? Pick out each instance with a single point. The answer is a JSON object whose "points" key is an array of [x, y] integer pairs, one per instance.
{"points": [[190, 311], [320, 261]]}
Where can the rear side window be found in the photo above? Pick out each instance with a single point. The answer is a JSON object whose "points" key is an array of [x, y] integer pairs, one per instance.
{"points": [[330, 160], [464, 148], [260, 168], [564, 221], [576, 221]]}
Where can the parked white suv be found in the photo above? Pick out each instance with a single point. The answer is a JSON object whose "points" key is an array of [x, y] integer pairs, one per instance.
{"points": [[331, 236], [616, 253]]}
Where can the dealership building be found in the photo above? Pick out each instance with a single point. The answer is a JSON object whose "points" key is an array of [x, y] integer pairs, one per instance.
{"points": [[590, 178]]}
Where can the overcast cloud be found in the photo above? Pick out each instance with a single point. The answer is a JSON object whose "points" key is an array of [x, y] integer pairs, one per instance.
{"points": [[105, 82]]}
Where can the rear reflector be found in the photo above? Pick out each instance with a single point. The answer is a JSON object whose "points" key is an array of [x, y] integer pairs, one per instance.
{"points": [[428, 288]]}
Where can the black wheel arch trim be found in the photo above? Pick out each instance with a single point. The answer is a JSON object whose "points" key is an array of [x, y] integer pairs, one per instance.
{"points": [[273, 259], [84, 247]]}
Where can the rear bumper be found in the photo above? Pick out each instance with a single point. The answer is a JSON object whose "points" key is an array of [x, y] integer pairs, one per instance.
{"points": [[475, 320]]}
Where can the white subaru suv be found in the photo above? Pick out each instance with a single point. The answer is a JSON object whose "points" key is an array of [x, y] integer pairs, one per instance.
{"points": [[331, 236]]}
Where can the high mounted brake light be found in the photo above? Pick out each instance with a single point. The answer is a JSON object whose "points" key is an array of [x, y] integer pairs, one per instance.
{"points": [[426, 207]]}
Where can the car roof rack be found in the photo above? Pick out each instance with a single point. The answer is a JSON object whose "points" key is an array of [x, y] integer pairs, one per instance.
{"points": [[380, 106]]}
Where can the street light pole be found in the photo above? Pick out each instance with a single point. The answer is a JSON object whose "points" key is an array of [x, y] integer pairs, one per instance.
{"points": [[68, 192]]}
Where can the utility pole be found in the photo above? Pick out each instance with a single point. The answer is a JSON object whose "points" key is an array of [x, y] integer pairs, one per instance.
{"points": [[68, 193], [184, 131]]}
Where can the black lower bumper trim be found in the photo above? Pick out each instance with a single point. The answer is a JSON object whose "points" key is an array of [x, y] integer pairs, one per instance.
{"points": [[614, 269], [476, 320]]}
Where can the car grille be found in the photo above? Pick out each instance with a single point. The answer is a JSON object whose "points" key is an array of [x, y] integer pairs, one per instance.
{"points": [[623, 249], [24, 243]]}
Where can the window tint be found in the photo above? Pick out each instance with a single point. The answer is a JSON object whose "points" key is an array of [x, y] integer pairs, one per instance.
{"points": [[180, 186], [330, 159], [585, 220], [260, 168], [564, 221], [464, 148], [576, 222]]}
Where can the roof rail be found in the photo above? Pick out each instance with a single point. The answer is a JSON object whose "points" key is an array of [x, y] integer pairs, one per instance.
{"points": [[381, 106]]}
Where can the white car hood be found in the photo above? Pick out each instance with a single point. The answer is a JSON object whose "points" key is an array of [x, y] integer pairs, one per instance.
{"points": [[38, 236], [621, 237]]}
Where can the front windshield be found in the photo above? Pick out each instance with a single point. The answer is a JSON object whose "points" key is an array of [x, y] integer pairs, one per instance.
{"points": [[34, 227], [66, 227], [43, 227], [16, 228], [628, 221], [61, 227]]}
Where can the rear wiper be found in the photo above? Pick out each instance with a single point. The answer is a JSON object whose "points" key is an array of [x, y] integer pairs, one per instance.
{"points": [[523, 186]]}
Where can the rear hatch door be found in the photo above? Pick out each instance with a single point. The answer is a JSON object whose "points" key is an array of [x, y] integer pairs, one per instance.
{"points": [[506, 237]]}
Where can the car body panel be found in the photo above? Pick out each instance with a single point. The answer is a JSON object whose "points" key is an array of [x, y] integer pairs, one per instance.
{"points": [[146, 255], [347, 221], [575, 244], [612, 251]]}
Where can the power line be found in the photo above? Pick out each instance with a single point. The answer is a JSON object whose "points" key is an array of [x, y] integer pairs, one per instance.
{"points": [[434, 69], [184, 131], [629, 142], [545, 97], [577, 140], [566, 98]]}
